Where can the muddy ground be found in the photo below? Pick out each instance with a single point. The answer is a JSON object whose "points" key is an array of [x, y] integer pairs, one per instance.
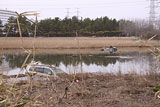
{"points": [[95, 90]]}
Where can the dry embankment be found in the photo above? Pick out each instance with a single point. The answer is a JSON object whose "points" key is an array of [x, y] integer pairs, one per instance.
{"points": [[72, 43]]}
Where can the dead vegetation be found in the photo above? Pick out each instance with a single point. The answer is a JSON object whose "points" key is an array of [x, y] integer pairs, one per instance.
{"points": [[71, 43], [15, 96], [95, 90]]}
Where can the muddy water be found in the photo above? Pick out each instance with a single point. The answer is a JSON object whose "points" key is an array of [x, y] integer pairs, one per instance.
{"points": [[129, 62]]}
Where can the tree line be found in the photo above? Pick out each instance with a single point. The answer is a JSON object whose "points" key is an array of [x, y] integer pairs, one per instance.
{"points": [[140, 28], [67, 27]]}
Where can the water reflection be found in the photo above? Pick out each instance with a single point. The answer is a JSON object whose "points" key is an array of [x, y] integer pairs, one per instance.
{"points": [[16, 60], [124, 63]]}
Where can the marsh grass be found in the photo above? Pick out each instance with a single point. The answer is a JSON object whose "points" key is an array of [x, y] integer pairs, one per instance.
{"points": [[71, 43]]}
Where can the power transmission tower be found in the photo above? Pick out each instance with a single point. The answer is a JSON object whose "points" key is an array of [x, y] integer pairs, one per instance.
{"points": [[67, 16], [152, 12], [77, 12], [158, 21]]}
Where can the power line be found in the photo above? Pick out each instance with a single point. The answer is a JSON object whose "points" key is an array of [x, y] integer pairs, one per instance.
{"points": [[4, 13], [7, 11], [109, 3], [50, 4], [84, 5], [99, 5]]}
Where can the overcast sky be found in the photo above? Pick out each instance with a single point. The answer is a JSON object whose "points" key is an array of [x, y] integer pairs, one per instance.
{"points": [[128, 9]]}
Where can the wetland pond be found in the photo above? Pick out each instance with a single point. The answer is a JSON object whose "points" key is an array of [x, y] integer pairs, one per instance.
{"points": [[122, 63]]}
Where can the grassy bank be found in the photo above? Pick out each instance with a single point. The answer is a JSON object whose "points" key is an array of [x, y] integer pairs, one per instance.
{"points": [[71, 42]]}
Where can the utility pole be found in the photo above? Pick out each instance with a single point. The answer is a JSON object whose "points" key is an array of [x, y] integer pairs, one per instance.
{"points": [[67, 16], [152, 12]]}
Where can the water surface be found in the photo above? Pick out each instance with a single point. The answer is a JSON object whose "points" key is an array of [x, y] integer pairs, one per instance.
{"points": [[130, 62]]}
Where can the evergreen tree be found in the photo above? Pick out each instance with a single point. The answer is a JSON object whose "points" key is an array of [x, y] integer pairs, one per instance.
{"points": [[68, 26], [1, 25]]}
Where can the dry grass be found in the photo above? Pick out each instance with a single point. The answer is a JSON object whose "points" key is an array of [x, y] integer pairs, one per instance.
{"points": [[16, 96], [71, 43], [101, 90]]}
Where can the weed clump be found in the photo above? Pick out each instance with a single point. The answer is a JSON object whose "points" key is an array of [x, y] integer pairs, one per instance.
{"points": [[157, 88], [14, 96]]}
